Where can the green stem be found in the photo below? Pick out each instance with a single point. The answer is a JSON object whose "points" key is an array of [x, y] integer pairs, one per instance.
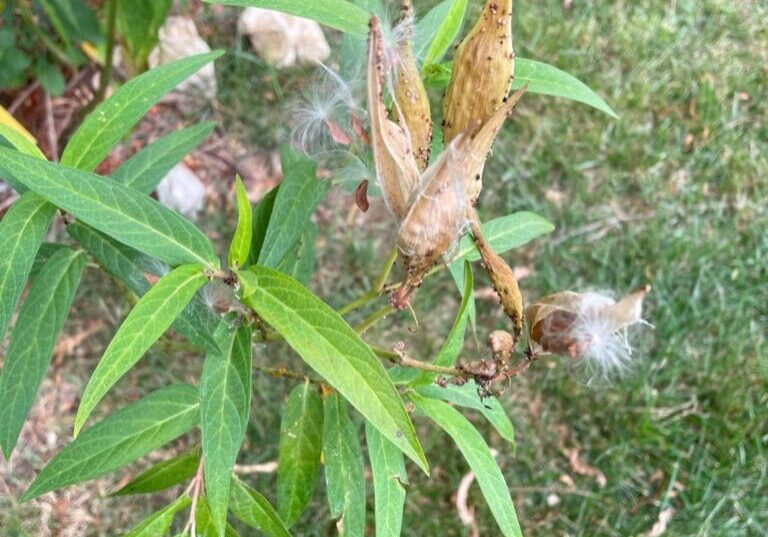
{"points": [[405, 361], [106, 72], [376, 290], [373, 318]]}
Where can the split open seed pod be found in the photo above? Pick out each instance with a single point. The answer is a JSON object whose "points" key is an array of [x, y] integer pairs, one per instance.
{"points": [[435, 219], [396, 168], [411, 97], [571, 324]]}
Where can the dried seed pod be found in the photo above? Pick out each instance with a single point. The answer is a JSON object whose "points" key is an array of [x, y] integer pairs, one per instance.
{"points": [[396, 168], [482, 70], [435, 220], [585, 326], [502, 345], [481, 142], [411, 98], [502, 278]]}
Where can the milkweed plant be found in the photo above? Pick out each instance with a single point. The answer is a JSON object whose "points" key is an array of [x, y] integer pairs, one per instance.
{"points": [[372, 115]]}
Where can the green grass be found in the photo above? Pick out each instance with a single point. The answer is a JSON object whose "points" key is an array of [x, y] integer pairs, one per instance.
{"points": [[688, 429]]}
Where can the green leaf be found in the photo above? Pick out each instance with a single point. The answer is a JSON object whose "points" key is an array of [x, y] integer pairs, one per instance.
{"points": [[549, 80], [16, 140], [139, 22], [21, 232], [339, 14], [300, 262], [260, 218], [467, 396], [457, 273], [163, 475], [299, 452], [541, 78], [300, 192], [479, 458], [117, 210], [144, 170], [428, 25], [197, 322], [254, 509], [453, 344], [225, 390], [447, 32], [49, 76], [241, 242], [116, 116], [505, 233], [40, 320], [344, 470], [121, 438], [44, 254], [146, 322], [329, 345], [159, 523], [389, 475], [205, 522], [451, 348]]}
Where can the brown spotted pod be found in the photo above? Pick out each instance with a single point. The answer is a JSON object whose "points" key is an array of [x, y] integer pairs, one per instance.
{"points": [[412, 108], [482, 70]]}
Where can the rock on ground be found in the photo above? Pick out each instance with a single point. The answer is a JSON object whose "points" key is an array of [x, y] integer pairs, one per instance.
{"points": [[283, 40], [182, 191], [178, 39]]}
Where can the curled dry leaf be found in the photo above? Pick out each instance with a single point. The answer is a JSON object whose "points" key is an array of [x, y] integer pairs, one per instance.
{"points": [[361, 196], [411, 97], [482, 70], [396, 167]]}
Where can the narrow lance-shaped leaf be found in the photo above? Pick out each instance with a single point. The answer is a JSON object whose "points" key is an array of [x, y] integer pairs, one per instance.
{"points": [[467, 396], [163, 475], [344, 471], [549, 80], [159, 523], [299, 452], [241, 242], [197, 322], [299, 193], [427, 27], [540, 77], [148, 320], [21, 231], [121, 438], [299, 263], [116, 116], [40, 320], [225, 390], [254, 510], [447, 32], [506, 233], [117, 210], [388, 469], [329, 345], [339, 14], [205, 521], [261, 216], [479, 458], [144, 170]]}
